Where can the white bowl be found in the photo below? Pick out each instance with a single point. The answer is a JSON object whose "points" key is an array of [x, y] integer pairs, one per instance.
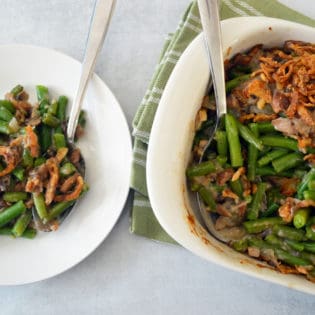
{"points": [[171, 140]]}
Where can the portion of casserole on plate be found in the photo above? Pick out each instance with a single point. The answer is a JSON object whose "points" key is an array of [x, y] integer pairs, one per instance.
{"points": [[41, 174]]}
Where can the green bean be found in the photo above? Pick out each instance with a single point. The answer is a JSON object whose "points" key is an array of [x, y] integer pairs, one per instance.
{"points": [[14, 196], [264, 151], [194, 186], [17, 90], [287, 245], [85, 188], [201, 169], [81, 119], [256, 242], [67, 169], [311, 185], [284, 244], [19, 173], [61, 112], [266, 127], [4, 127], [308, 256], [288, 232], [309, 246], [298, 173], [248, 199], [233, 141], [42, 93], [221, 160], [59, 208], [44, 137], [21, 224], [239, 70], [269, 171], [9, 127], [28, 233], [288, 173], [59, 140], [249, 136], [310, 233], [40, 206], [222, 147], [237, 187], [309, 194], [50, 120], [290, 259], [261, 224], [43, 106], [207, 197], [272, 209], [39, 161], [295, 245], [11, 213], [274, 196], [265, 171], [53, 108], [274, 240], [300, 217], [280, 141], [240, 245], [27, 158], [6, 231], [252, 154], [8, 105], [230, 85], [270, 156], [303, 184], [5, 114], [287, 162], [62, 105], [253, 211]]}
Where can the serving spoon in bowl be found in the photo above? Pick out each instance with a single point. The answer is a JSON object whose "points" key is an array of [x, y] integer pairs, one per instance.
{"points": [[100, 21], [210, 20]]}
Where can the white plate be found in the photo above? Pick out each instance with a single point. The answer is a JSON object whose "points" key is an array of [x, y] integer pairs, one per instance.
{"points": [[171, 139], [106, 147]]}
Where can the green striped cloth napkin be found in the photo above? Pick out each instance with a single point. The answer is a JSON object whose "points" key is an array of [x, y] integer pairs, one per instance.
{"points": [[143, 221]]}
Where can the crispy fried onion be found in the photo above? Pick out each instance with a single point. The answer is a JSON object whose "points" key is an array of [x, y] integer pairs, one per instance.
{"points": [[286, 211], [72, 188], [44, 176], [31, 141], [238, 173], [53, 171], [19, 104], [285, 79], [294, 78], [291, 205], [36, 179], [11, 156]]}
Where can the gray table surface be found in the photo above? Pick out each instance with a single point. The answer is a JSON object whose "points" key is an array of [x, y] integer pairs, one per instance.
{"points": [[128, 274]]}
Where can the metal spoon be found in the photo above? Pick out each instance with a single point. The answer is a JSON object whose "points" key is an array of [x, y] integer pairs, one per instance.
{"points": [[98, 27], [210, 20], [102, 14]]}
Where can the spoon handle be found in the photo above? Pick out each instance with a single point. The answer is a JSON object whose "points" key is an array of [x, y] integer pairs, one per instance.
{"points": [[210, 20], [99, 24]]}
